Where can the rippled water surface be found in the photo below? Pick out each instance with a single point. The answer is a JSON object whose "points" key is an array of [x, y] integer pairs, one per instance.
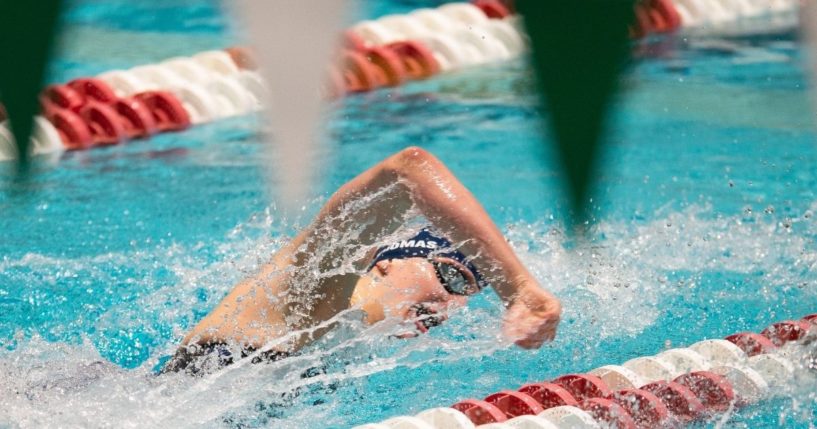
{"points": [[705, 211]]}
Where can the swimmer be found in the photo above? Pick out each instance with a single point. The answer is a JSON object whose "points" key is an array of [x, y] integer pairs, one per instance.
{"points": [[415, 279]]}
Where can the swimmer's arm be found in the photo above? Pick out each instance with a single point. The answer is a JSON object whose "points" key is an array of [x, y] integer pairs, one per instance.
{"points": [[246, 315], [532, 312]]}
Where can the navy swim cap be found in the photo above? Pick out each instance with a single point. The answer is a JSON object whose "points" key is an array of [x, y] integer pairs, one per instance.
{"points": [[422, 245]]}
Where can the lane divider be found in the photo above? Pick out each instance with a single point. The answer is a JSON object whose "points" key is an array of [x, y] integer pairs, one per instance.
{"points": [[674, 388], [122, 105], [703, 13]]}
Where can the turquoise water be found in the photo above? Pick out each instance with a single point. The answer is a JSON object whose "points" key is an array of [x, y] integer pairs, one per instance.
{"points": [[704, 208]]}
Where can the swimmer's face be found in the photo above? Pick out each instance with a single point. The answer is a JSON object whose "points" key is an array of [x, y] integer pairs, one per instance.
{"points": [[407, 289]]}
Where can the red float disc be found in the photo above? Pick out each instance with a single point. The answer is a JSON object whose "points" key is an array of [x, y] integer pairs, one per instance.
{"points": [[242, 57], [657, 21], [549, 395], [642, 25], [643, 406], [359, 74], [480, 412], [73, 131], [668, 11], [492, 8], [94, 89], [751, 343], [64, 97], [609, 413], [3, 114], [713, 390], [515, 403], [389, 65], [105, 124], [166, 109], [136, 117], [350, 40], [811, 318], [48, 107], [679, 400], [510, 4], [790, 330], [583, 386], [418, 60]]}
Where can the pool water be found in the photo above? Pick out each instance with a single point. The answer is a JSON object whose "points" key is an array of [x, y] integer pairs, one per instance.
{"points": [[704, 209]]}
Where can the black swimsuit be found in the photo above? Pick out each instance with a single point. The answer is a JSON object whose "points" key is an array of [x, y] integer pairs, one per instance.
{"points": [[199, 359]]}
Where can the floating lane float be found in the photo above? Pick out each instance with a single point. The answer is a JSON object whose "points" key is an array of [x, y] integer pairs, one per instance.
{"points": [[122, 105], [674, 388]]}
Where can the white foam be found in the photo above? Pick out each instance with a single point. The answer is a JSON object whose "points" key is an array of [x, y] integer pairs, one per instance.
{"points": [[624, 272]]}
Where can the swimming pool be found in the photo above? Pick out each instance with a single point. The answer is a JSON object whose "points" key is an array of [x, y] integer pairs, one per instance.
{"points": [[704, 206]]}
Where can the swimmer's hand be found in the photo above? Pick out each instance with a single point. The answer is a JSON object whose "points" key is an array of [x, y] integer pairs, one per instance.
{"points": [[531, 316]]}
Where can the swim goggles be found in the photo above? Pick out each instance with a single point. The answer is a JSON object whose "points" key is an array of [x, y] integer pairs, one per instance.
{"points": [[456, 278]]}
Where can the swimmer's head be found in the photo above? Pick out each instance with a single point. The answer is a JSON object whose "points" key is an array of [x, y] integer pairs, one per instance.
{"points": [[417, 280]]}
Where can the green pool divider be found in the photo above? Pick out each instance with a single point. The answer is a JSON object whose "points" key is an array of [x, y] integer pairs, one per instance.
{"points": [[579, 48], [27, 30]]}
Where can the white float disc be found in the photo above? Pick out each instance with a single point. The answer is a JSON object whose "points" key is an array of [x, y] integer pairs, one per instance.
{"points": [[685, 360], [567, 416], [190, 69], [651, 368], [217, 61], [720, 351], [406, 422], [463, 12], [758, 7], [452, 51], [697, 11], [239, 100], [254, 84], [745, 8], [749, 386], [446, 418], [774, 369], [487, 45], [45, 137], [783, 5], [198, 102], [124, 83], [436, 21], [731, 8], [518, 23], [530, 422], [8, 149], [687, 19], [719, 13], [507, 34], [617, 377], [407, 25], [376, 34], [160, 76]]}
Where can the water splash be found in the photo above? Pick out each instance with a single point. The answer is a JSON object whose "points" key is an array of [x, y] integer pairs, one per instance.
{"points": [[56, 370]]}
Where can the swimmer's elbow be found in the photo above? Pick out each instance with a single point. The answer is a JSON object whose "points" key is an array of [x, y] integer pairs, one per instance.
{"points": [[408, 159]]}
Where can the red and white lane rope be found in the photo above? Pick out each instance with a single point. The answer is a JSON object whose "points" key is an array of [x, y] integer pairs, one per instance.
{"points": [[673, 388], [127, 104], [698, 13], [121, 105]]}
